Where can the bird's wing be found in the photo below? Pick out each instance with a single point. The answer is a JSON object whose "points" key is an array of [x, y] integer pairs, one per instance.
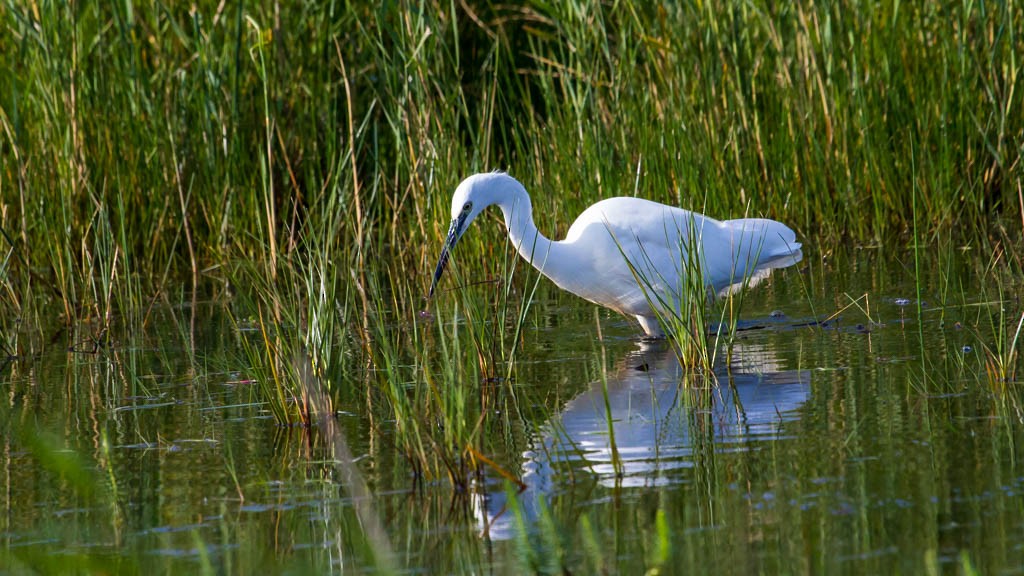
{"points": [[631, 241]]}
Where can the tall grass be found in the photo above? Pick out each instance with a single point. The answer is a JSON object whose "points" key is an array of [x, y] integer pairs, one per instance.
{"points": [[189, 137], [299, 157]]}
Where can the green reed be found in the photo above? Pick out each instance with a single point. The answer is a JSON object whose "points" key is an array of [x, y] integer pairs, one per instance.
{"points": [[167, 121], [289, 151], [296, 161]]}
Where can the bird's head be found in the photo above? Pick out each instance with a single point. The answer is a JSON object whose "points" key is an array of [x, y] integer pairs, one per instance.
{"points": [[470, 198]]}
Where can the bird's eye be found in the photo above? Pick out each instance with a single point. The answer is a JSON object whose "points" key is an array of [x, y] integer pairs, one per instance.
{"points": [[467, 207]]}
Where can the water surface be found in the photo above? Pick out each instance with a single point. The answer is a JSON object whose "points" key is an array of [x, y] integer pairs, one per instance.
{"points": [[872, 442]]}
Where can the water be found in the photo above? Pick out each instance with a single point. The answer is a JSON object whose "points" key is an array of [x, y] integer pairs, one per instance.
{"points": [[871, 443], [641, 425]]}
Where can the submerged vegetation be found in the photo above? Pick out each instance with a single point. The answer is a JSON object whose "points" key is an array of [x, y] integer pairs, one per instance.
{"points": [[291, 163]]}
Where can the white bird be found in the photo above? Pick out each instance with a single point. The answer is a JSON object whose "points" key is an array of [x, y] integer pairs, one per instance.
{"points": [[628, 254]]}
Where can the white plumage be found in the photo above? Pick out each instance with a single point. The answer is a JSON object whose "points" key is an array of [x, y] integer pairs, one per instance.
{"points": [[629, 254]]}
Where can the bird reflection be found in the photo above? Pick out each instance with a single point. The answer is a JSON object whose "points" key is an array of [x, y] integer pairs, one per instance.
{"points": [[642, 428]]}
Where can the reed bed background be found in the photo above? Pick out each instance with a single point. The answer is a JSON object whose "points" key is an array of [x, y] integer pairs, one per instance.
{"points": [[148, 147], [293, 162]]}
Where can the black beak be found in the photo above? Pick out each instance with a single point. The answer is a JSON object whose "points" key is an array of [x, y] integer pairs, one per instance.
{"points": [[449, 243]]}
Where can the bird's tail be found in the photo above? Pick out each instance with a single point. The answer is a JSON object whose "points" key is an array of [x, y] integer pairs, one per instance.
{"points": [[764, 245], [773, 242]]}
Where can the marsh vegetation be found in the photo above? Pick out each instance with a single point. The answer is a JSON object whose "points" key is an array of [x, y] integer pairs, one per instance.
{"points": [[219, 223]]}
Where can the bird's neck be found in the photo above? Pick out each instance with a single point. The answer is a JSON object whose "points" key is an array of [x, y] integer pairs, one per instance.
{"points": [[533, 246]]}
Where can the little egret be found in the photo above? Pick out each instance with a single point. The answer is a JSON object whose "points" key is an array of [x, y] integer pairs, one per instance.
{"points": [[628, 254]]}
